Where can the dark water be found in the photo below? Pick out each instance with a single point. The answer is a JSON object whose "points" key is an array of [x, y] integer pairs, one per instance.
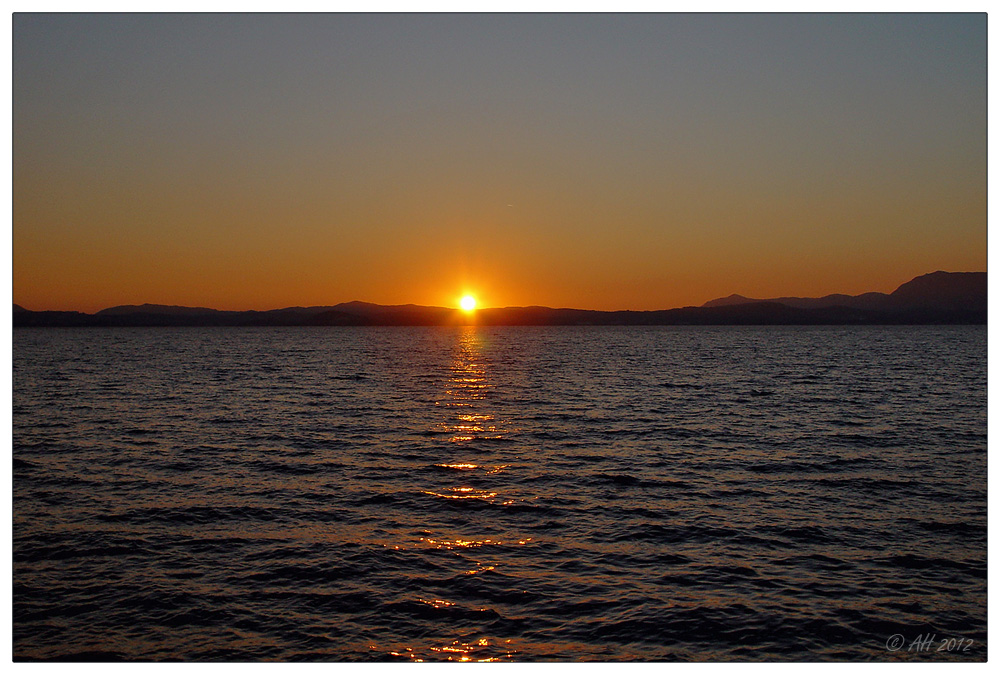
{"points": [[500, 493]]}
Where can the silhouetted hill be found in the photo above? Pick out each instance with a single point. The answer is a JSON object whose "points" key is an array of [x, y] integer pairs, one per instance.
{"points": [[938, 298], [400, 315], [867, 301], [944, 290], [940, 294], [162, 310]]}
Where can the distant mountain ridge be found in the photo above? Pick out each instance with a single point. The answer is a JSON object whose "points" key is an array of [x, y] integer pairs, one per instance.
{"points": [[936, 298], [156, 309], [964, 291]]}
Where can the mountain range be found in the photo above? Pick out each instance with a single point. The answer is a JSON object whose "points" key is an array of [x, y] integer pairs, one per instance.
{"points": [[936, 298]]}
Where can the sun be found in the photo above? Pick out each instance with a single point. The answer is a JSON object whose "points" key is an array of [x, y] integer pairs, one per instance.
{"points": [[468, 303]]}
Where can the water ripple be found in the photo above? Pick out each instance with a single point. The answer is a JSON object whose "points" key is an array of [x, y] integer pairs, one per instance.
{"points": [[498, 494]]}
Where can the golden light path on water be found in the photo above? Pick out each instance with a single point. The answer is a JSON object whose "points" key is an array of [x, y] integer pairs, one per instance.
{"points": [[467, 395]]}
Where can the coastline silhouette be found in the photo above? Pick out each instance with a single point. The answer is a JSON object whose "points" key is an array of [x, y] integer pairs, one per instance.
{"points": [[935, 298]]}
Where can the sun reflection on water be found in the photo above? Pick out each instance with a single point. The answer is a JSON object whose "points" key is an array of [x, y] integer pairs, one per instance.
{"points": [[468, 392], [450, 544], [469, 387], [462, 493], [470, 464], [481, 650]]}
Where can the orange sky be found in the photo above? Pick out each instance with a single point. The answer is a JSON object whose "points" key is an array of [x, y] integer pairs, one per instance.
{"points": [[592, 161]]}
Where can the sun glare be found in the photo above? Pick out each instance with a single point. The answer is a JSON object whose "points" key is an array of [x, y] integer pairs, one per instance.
{"points": [[468, 303]]}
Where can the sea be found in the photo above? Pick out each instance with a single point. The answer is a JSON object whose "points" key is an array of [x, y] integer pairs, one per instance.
{"points": [[500, 494]]}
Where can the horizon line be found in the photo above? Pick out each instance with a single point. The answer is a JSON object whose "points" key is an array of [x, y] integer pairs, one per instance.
{"points": [[477, 309]]}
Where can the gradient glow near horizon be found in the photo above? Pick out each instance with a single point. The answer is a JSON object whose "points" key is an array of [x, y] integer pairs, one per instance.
{"points": [[592, 161]]}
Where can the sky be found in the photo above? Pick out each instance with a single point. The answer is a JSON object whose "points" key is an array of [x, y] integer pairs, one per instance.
{"points": [[600, 161]]}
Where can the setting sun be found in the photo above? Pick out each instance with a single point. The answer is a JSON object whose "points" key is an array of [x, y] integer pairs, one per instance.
{"points": [[468, 303]]}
